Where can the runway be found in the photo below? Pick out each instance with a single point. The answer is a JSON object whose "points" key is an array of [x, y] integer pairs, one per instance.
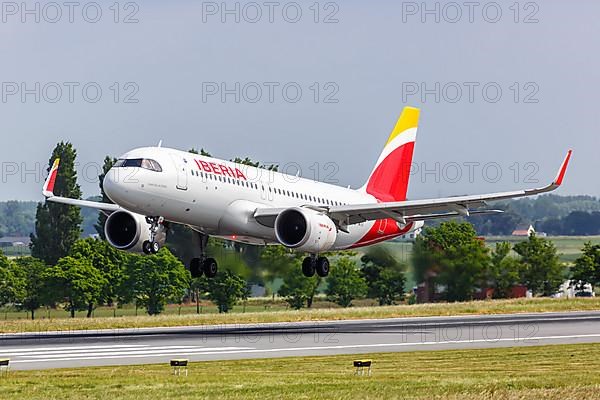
{"points": [[44, 350]]}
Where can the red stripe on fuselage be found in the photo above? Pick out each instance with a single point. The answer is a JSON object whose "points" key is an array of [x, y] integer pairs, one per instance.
{"points": [[382, 230]]}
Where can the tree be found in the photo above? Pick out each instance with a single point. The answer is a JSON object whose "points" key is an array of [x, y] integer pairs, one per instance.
{"points": [[587, 267], [542, 272], [298, 290], [225, 290], [17, 218], [504, 271], [248, 161], [11, 286], [384, 275], [502, 224], [277, 261], [108, 164], [345, 282], [75, 282], [152, 281], [31, 271], [202, 152], [552, 226], [453, 257], [581, 223], [58, 226], [107, 260]]}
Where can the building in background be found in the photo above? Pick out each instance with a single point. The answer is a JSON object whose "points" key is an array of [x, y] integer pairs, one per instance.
{"points": [[523, 230], [14, 241]]}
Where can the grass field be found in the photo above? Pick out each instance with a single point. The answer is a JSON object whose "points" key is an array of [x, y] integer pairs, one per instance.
{"points": [[128, 310], [418, 310], [544, 372], [569, 247]]}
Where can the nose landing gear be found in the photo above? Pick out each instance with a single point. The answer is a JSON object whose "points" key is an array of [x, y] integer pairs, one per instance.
{"points": [[157, 228]]}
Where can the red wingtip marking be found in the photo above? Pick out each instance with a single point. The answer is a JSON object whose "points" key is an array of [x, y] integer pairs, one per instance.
{"points": [[52, 179], [563, 169], [50, 187]]}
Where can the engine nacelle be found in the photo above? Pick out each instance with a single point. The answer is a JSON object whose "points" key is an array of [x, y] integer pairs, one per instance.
{"points": [[127, 231], [305, 230]]}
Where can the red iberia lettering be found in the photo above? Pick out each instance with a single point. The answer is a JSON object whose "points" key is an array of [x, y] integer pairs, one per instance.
{"points": [[215, 168], [205, 166], [220, 169], [238, 174], [224, 170]]}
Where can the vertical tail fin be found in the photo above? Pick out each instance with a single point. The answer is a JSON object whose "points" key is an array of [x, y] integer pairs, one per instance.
{"points": [[389, 179]]}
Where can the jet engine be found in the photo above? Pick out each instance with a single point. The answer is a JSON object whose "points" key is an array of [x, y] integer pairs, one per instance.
{"points": [[128, 231], [305, 230]]}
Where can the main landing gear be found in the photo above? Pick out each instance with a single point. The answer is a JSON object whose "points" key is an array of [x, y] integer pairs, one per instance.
{"points": [[313, 264], [203, 265], [152, 246]]}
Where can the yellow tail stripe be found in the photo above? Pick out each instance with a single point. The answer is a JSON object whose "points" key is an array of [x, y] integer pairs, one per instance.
{"points": [[408, 119]]}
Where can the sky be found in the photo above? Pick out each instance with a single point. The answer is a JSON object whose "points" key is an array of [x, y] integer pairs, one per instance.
{"points": [[505, 88]]}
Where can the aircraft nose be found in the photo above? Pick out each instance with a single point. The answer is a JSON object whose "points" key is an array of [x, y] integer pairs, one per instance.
{"points": [[110, 184]]}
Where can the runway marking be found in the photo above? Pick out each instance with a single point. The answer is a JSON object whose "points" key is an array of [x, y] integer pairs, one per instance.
{"points": [[245, 350], [74, 347], [143, 352], [491, 321], [104, 349], [139, 351]]}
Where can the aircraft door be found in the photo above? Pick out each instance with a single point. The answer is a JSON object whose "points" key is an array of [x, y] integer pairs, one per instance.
{"points": [[182, 175]]}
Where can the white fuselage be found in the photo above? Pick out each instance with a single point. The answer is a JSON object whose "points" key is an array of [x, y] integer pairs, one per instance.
{"points": [[219, 197]]}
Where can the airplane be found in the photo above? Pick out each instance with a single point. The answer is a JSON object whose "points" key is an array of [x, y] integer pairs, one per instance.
{"points": [[152, 187]]}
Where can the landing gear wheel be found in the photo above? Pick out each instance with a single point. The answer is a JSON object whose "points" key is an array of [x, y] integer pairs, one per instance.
{"points": [[196, 268], [308, 267], [322, 266], [210, 267], [154, 247], [147, 247]]}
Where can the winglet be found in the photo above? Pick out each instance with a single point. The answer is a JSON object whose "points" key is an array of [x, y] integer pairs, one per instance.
{"points": [[563, 169], [48, 190]]}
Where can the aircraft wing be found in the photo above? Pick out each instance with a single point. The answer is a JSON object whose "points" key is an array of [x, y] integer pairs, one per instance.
{"points": [[419, 210], [48, 192]]}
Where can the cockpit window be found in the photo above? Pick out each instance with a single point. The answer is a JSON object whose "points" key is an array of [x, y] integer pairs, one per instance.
{"points": [[140, 163]]}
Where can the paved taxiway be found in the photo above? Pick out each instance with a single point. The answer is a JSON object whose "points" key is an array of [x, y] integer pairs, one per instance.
{"points": [[158, 345]]}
